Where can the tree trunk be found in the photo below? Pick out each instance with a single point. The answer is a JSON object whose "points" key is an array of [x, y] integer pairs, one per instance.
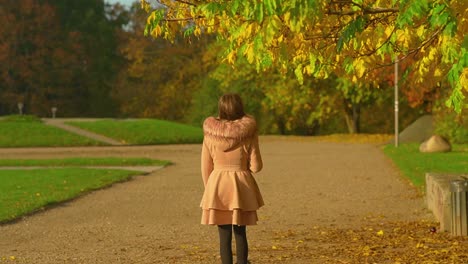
{"points": [[281, 125], [353, 117]]}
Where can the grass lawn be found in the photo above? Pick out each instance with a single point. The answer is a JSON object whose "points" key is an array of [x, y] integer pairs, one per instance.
{"points": [[341, 138], [26, 191], [108, 161], [23, 192], [29, 131], [144, 131], [414, 164]]}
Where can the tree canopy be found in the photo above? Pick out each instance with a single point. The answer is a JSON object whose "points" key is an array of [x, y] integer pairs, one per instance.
{"points": [[353, 39], [59, 54]]}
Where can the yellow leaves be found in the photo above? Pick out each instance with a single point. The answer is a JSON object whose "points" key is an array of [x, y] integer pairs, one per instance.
{"points": [[421, 245], [280, 38], [307, 28], [432, 53], [248, 30], [197, 31], [388, 31], [366, 251], [156, 32], [359, 67], [287, 17], [249, 53], [230, 57], [145, 5], [5, 259], [308, 70], [274, 247], [464, 79], [380, 233], [403, 37], [420, 31], [150, 18], [426, 62], [337, 58]]}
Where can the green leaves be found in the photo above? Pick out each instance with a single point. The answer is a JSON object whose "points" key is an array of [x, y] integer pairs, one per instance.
{"points": [[412, 10], [259, 11], [234, 6], [270, 6], [298, 73], [349, 32], [189, 30], [441, 16], [211, 9], [456, 99]]}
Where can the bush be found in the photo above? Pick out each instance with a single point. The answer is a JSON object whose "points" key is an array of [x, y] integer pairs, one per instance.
{"points": [[452, 126]]}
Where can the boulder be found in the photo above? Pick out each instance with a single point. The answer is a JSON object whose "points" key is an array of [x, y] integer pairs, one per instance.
{"points": [[419, 131], [435, 144]]}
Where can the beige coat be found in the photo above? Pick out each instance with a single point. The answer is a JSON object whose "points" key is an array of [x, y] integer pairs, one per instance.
{"points": [[230, 155]]}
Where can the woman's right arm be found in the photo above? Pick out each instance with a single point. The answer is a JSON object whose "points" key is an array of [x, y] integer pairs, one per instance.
{"points": [[256, 163], [206, 163]]}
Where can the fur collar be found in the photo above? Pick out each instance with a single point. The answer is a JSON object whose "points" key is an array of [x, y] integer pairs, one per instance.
{"points": [[239, 129]]}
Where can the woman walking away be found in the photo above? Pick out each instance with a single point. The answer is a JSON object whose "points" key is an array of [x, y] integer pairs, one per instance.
{"points": [[230, 155]]}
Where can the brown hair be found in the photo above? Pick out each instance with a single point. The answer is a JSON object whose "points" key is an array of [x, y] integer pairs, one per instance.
{"points": [[230, 107]]}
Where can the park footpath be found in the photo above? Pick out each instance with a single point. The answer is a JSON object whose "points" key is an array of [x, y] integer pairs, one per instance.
{"points": [[61, 123], [325, 203]]}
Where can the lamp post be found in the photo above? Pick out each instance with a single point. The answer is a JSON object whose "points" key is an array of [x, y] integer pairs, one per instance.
{"points": [[396, 101], [20, 108], [54, 111]]}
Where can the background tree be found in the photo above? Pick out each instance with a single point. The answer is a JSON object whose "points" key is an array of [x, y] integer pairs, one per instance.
{"points": [[97, 26], [282, 105], [159, 77], [59, 53]]}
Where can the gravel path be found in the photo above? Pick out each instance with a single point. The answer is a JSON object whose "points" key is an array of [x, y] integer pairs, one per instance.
{"points": [[155, 218], [60, 123]]}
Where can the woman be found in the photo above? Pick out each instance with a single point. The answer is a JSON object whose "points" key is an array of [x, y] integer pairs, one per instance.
{"points": [[230, 155]]}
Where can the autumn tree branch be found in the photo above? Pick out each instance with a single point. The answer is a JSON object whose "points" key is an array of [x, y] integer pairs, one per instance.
{"points": [[376, 10], [185, 2]]}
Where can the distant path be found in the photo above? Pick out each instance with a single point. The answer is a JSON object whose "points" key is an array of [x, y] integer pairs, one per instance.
{"points": [[155, 218], [60, 123]]}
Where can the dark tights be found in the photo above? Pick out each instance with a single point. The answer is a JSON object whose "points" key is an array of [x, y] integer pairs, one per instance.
{"points": [[225, 237]]}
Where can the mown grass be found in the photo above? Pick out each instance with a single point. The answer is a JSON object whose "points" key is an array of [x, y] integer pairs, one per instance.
{"points": [[144, 131], [414, 164], [29, 131], [375, 139], [24, 192], [67, 162]]}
